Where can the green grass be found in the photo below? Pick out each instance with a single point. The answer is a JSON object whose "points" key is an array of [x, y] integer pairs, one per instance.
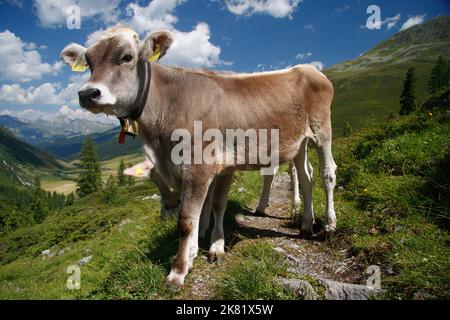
{"points": [[250, 274], [87, 228], [388, 213]]}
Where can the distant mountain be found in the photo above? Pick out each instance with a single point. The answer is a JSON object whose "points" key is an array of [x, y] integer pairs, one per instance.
{"points": [[25, 130], [369, 86], [69, 148], [37, 127], [17, 157]]}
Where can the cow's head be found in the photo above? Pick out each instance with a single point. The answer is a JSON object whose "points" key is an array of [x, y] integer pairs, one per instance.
{"points": [[114, 60]]}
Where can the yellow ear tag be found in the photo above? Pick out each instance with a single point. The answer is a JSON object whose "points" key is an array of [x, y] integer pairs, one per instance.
{"points": [[139, 171], [156, 54], [79, 66]]}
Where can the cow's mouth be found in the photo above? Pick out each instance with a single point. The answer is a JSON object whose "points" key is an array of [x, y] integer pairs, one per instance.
{"points": [[94, 108]]}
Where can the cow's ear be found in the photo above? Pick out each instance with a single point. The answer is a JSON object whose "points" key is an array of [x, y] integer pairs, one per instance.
{"points": [[74, 56], [155, 45]]}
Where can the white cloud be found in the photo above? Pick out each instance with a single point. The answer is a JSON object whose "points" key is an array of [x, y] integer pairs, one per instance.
{"points": [[389, 22], [52, 13], [275, 8], [45, 94], [157, 15], [318, 64], [310, 27], [189, 49], [341, 9], [19, 61], [413, 21], [303, 55], [392, 22], [193, 49]]}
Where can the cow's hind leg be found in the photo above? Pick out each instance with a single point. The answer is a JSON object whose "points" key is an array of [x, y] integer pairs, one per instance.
{"points": [[305, 176], [295, 189], [206, 213], [328, 175], [265, 194], [195, 189], [219, 204]]}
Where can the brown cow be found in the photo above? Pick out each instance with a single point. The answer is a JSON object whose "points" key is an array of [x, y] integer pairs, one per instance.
{"points": [[296, 102]]}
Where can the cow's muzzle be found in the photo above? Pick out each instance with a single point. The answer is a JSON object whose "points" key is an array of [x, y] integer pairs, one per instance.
{"points": [[89, 96]]}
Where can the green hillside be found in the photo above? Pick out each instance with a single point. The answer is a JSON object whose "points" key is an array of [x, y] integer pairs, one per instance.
{"points": [[19, 160], [369, 87]]}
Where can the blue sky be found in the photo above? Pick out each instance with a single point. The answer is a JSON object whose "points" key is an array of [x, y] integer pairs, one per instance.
{"points": [[238, 35]]}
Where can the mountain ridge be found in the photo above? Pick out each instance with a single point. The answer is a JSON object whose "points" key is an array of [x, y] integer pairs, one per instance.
{"points": [[368, 88]]}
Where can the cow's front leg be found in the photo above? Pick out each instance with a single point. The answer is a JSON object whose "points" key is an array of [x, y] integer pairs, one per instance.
{"points": [[195, 189]]}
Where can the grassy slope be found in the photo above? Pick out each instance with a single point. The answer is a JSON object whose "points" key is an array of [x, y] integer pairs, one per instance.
{"points": [[388, 209], [20, 162], [368, 88]]}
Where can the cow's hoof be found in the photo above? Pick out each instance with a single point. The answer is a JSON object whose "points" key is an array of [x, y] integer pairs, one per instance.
{"points": [[330, 231], [216, 253], [215, 257], [175, 281]]}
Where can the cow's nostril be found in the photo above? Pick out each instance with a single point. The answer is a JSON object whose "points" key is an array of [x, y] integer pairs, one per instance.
{"points": [[89, 94], [95, 93]]}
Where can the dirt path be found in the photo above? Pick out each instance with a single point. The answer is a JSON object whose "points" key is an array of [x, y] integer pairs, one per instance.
{"points": [[316, 258]]}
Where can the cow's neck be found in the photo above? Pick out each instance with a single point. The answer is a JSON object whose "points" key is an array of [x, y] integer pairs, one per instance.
{"points": [[137, 107]]}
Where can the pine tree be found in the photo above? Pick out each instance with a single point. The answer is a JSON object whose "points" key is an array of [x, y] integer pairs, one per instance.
{"points": [[439, 76], [38, 209], [89, 179], [408, 97], [121, 179], [347, 130], [447, 74], [70, 199], [110, 190], [37, 190], [130, 181]]}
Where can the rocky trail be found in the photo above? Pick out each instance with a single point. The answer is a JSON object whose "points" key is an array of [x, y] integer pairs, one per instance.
{"points": [[341, 276]]}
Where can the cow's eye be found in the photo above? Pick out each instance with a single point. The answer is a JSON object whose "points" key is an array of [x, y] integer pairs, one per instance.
{"points": [[127, 58]]}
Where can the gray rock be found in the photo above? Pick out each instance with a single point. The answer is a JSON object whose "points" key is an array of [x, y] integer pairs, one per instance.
{"points": [[84, 261], [347, 291], [47, 254], [123, 223], [301, 287], [155, 197], [279, 250]]}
